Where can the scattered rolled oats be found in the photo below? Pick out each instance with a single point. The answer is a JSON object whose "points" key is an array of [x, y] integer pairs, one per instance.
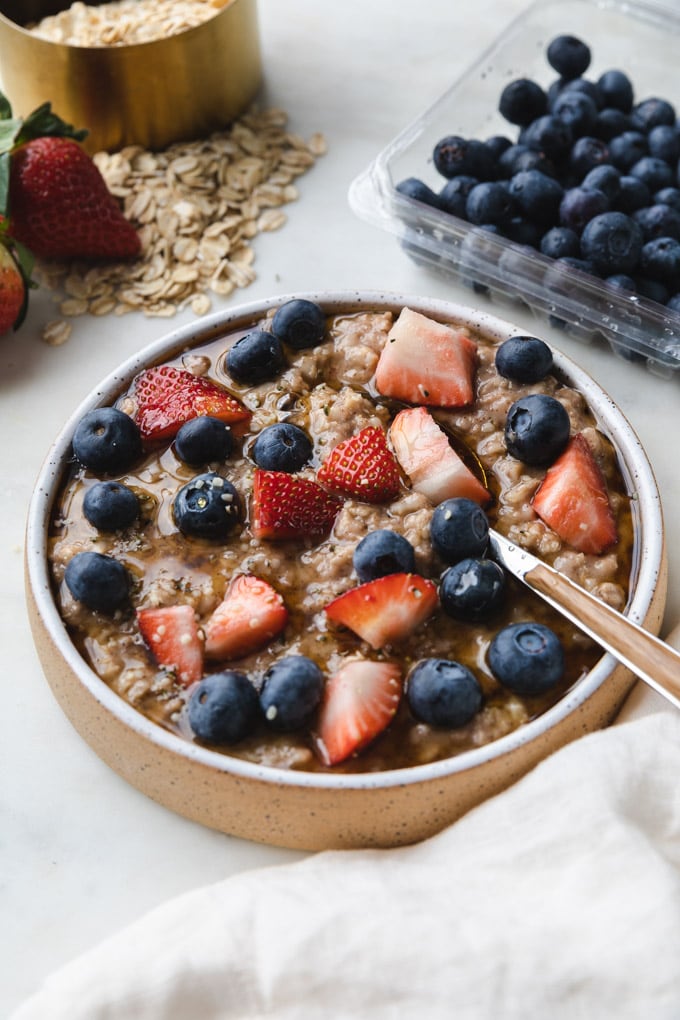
{"points": [[197, 206], [123, 22]]}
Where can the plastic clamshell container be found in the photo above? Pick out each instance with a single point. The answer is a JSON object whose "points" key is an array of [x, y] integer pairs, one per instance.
{"points": [[640, 38]]}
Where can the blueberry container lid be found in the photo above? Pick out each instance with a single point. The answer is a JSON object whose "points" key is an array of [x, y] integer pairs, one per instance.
{"points": [[640, 39]]}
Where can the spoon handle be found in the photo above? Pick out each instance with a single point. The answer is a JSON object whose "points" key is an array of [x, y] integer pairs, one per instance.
{"points": [[647, 656]]}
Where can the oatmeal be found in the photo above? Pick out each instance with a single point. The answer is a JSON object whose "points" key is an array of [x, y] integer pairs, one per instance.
{"points": [[273, 572]]}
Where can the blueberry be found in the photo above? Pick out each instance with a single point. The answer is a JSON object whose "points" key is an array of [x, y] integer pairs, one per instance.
{"points": [[107, 441], [291, 692], [668, 196], [550, 135], [621, 281], [223, 708], [110, 506], [579, 206], [300, 324], [383, 552], [585, 86], [256, 357], [612, 242], [203, 439], [527, 657], [538, 196], [207, 507], [98, 581], [664, 143], [497, 145], [577, 110], [472, 589], [443, 693], [652, 112], [610, 123], [658, 220], [413, 187], [569, 56], [489, 202], [654, 172], [633, 194], [522, 101], [523, 232], [660, 260], [536, 429], [605, 178], [452, 156], [673, 303], [282, 447], [617, 90], [586, 153], [653, 290], [559, 242], [625, 150], [453, 196], [459, 528], [524, 359]]}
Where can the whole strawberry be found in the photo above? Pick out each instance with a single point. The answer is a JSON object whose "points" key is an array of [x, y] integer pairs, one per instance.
{"points": [[57, 201]]}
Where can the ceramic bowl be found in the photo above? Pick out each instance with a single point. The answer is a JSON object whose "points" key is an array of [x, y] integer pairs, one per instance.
{"points": [[308, 810], [150, 94]]}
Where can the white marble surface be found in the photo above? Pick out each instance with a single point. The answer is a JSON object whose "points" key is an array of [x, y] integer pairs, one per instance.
{"points": [[83, 853]]}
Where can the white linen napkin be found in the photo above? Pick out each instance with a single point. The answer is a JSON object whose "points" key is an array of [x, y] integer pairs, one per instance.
{"points": [[560, 898]]}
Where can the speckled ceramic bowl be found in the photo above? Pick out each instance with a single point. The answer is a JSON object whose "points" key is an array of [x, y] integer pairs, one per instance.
{"points": [[303, 809]]}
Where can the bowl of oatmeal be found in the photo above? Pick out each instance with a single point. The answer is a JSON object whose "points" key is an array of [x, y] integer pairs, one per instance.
{"points": [[257, 566], [133, 72]]}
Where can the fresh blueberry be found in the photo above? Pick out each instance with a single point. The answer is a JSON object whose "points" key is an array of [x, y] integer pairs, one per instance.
{"points": [[658, 220], [223, 708], [550, 135], [282, 447], [459, 528], [577, 110], [453, 196], [413, 187], [625, 150], [585, 86], [655, 173], [256, 357], [522, 101], [383, 552], [497, 145], [652, 112], [673, 303], [299, 324], [528, 658], [668, 196], [653, 290], [605, 178], [579, 205], [660, 260], [207, 507], [523, 232], [569, 56], [489, 202], [610, 123], [537, 196], [612, 242], [472, 589], [452, 156], [524, 359], [107, 441], [621, 281], [291, 692], [98, 581], [664, 143], [558, 242], [587, 153], [633, 194], [110, 506], [617, 90], [536, 429], [203, 439], [443, 693]]}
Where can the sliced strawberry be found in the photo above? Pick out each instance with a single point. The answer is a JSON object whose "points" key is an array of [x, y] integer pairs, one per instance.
{"points": [[359, 702], [172, 634], [362, 467], [166, 397], [427, 362], [249, 616], [386, 609], [290, 506], [572, 499], [429, 460]]}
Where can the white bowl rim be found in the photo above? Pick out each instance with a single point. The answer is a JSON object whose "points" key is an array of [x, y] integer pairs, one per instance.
{"points": [[640, 480]]}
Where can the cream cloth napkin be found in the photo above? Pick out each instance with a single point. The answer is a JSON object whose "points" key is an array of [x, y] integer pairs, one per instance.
{"points": [[559, 898]]}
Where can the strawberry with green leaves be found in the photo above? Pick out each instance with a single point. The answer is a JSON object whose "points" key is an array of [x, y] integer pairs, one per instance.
{"points": [[53, 194]]}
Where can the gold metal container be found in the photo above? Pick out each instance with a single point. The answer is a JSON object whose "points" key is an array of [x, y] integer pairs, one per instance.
{"points": [[180, 87]]}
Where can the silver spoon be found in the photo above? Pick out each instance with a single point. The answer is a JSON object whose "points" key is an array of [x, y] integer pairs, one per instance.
{"points": [[648, 657]]}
